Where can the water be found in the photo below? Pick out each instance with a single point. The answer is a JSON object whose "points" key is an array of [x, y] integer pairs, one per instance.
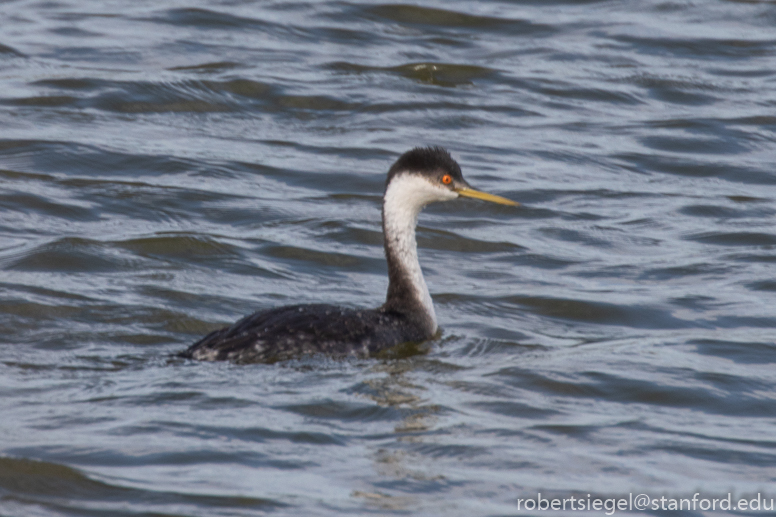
{"points": [[167, 168]]}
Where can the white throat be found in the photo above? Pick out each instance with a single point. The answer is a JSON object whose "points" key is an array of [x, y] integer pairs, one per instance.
{"points": [[405, 197]]}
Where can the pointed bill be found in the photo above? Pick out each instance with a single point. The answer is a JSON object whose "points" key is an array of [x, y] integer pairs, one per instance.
{"points": [[476, 194]]}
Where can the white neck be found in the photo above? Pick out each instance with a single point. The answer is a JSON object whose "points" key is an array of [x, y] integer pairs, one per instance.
{"points": [[405, 197]]}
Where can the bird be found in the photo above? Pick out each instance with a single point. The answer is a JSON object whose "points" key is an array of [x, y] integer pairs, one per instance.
{"points": [[418, 177]]}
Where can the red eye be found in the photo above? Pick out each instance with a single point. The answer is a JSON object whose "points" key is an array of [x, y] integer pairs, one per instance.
{"points": [[447, 179]]}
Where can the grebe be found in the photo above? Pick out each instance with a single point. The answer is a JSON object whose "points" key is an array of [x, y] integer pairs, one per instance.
{"points": [[420, 176]]}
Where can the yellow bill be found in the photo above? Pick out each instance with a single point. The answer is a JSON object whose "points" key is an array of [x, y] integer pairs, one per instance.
{"points": [[476, 194]]}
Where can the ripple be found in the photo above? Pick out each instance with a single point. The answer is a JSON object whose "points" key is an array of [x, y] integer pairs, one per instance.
{"points": [[5, 50], [734, 239], [208, 19], [433, 17], [739, 352], [718, 211], [439, 74], [693, 145], [705, 48], [338, 410], [58, 486], [181, 246], [70, 255], [43, 205], [208, 67], [699, 169], [601, 313], [709, 395], [514, 409]]}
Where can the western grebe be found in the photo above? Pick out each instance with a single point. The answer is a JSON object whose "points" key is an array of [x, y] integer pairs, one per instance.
{"points": [[420, 176]]}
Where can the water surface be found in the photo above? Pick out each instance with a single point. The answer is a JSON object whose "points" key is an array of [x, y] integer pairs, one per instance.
{"points": [[166, 168]]}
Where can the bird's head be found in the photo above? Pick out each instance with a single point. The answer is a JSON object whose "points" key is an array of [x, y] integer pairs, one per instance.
{"points": [[428, 174]]}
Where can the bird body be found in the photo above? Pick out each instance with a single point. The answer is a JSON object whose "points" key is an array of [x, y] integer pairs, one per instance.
{"points": [[297, 330], [420, 176]]}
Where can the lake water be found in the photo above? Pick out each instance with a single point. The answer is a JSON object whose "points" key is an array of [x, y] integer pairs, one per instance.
{"points": [[167, 167]]}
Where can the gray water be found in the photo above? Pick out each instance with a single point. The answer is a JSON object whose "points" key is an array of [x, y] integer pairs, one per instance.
{"points": [[166, 168]]}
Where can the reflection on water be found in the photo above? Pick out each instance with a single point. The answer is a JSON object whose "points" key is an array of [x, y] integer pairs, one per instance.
{"points": [[396, 390], [165, 169]]}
